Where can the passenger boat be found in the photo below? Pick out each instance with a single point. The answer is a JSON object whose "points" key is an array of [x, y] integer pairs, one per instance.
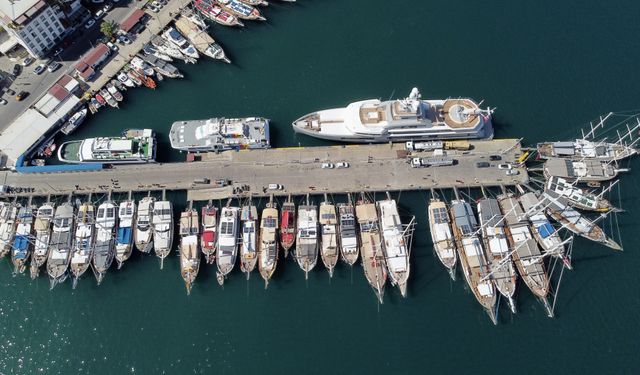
{"points": [[395, 243], [209, 231], [375, 269], [582, 171], [42, 227], [74, 121], [409, 119], [306, 250], [248, 249], [526, 254], [126, 80], [287, 225], [189, 251], [577, 197], [347, 231], [111, 150], [124, 234], [143, 235], [22, 245], [329, 231], [583, 149], [83, 242], [200, 39], [473, 261], [544, 233], [559, 210], [104, 250], [162, 223], [214, 12], [444, 243], [227, 241], [141, 66], [8, 214], [60, 244], [220, 134], [241, 10], [164, 47], [146, 81], [173, 36], [497, 250], [268, 245]]}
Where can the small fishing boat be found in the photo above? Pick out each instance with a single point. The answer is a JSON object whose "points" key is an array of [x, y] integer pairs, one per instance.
{"points": [[95, 103], [22, 245], [124, 234], [104, 250], [473, 261], [497, 250], [287, 225], [8, 214], [526, 254], [268, 246], [100, 100], [74, 121], [241, 9], [209, 232], [347, 232], [395, 243], [189, 251], [119, 85], [108, 98], [143, 235], [329, 231], [83, 242], [113, 91], [444, 243], [227, 241], [135, 78], [214, 12], [42, 227], [306, 250], [60, 244], [248, 249], [126, 80], [373, 262], [162, 222]]}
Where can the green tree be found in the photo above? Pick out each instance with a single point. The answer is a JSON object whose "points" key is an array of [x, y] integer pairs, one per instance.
{"points": [[108, 28]]}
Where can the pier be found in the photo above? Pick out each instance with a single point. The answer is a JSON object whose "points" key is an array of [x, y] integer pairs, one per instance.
{"points": [[381, 167]]}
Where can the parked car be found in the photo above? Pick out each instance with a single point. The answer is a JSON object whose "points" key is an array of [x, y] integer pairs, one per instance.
{"points": [[40, 69], [512, 172], [113, 47], [202, 180], [57, 52], [89, 23], [275, 187], [28, 61], [54, 66], [343, 164], [21, 95], [504, 166], [97, 1], [153, 9], [107, 8], [156, 4], [99, 14], [17, 69], [3, 101], [495, 157], [327, 166], [124, 39], [482, 164]]}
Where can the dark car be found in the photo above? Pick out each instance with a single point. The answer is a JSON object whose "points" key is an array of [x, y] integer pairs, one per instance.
{"points": [[17, 69], [495, 157], [482, 164], [21, 95]]}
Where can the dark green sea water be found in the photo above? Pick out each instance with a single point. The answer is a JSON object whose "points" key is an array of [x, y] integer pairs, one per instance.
{"points": [[547, 66]]}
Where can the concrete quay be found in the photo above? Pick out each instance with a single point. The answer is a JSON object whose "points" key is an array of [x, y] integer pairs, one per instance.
{"points": [[381, 167]]}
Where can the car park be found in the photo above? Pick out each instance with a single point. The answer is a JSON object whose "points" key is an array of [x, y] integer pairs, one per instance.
{"points": [[327, 166], [89, 23], [28, 61], [54, 66], [504, 166], [21, 95], [482, 164], [40, 69]]}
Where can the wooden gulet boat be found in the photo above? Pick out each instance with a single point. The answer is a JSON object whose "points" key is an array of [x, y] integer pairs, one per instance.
{"points": [[287, 225]]}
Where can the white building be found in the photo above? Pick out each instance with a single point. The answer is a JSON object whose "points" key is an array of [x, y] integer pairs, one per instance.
{"points": [[33, 23]]}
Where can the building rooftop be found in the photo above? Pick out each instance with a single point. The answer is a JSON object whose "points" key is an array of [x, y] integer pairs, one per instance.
{"points": [[132, 20], [20, 10]]}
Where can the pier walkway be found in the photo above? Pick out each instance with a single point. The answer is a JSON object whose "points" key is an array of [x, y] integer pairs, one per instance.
{"points": [[381, 167]]}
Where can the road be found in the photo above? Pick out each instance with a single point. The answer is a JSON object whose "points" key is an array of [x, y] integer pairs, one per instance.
{"points": [[372, 168], [80, 44]]}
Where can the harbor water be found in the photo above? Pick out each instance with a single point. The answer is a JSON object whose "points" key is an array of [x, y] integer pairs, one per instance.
{"points": [[549, 68]]}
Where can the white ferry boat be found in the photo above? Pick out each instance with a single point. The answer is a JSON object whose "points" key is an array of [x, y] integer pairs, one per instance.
{"points": [[220, 134], [112, 150], [406, 119]]}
